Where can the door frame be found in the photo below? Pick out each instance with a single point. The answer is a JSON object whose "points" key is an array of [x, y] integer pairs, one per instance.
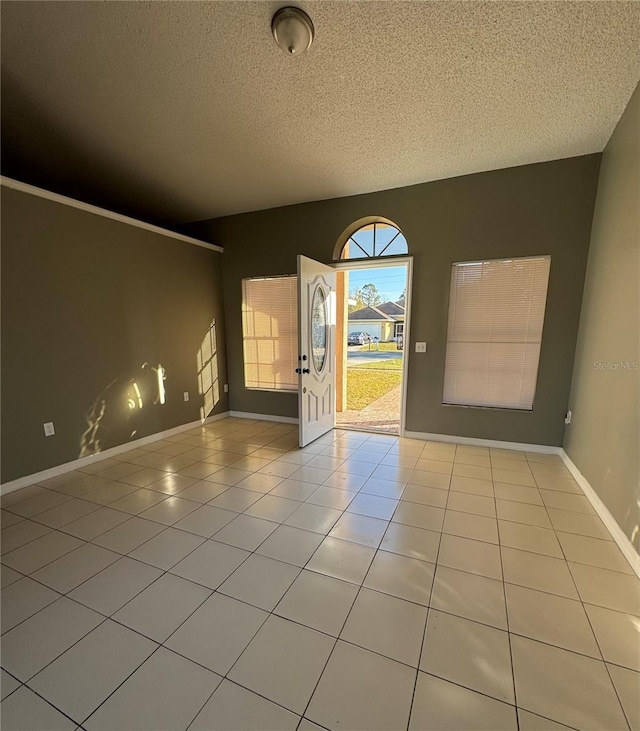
{"points": [[383, 263]]}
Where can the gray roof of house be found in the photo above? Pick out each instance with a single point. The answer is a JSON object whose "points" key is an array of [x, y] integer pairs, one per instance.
{"points": [[385, 311], [369, 313], [393, 309]]}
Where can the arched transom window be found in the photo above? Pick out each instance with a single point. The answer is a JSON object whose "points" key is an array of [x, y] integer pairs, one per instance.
{"points": [[374, 240]]}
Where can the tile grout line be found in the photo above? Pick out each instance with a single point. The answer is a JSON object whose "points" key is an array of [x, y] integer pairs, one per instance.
{"points": [[128, 628], [506, 607], [624, 713], [171, 525], [426, 623], [343, 511], [597, 641], [213, 538], [48, 702], [186, 619], [302, 716], [255, 551], [335, 644]]}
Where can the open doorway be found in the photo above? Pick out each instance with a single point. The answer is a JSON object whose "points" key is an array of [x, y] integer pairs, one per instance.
{"points": [[372, 328]]}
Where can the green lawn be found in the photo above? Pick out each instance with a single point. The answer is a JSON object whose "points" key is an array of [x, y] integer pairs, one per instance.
{"points": [[395, 364], [363, 387]]}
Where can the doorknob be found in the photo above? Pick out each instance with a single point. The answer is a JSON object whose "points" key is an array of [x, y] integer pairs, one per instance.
{"points": [[298, 370], [306, 370]]}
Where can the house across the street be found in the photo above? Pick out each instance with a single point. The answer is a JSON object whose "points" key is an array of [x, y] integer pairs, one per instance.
{"points": [[385, 322]]}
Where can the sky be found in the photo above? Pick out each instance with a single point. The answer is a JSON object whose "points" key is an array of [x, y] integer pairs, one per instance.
{"points": [[390, 281]]}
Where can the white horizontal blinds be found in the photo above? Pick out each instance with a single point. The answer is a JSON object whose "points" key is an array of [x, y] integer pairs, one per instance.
{"points": [[496, 313], [270, 332]]}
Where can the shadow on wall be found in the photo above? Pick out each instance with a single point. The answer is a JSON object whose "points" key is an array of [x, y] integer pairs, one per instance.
{"points": [[116, 414], [208, 381]]}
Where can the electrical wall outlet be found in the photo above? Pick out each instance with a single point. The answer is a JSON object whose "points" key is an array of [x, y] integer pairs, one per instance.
{"points": [[49, 429], [186, 395], [226, 388], [421, 347], [567, 418]]}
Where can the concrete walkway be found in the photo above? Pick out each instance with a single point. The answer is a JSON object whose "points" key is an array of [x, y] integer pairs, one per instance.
{"points": [[382, 415], [375, 355]]}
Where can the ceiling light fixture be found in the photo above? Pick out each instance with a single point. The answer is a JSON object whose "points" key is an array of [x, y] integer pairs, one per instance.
{"points": [[293, 30]]}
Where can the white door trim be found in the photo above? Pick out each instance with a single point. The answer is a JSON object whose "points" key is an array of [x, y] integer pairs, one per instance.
{"points": [[382, 262]]}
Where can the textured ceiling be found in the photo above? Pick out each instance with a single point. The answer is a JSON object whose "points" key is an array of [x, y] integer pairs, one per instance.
{"points": [[177, 111]]}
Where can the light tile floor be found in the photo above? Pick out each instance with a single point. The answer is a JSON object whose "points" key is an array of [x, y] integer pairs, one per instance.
{"points": [[224, 579]]}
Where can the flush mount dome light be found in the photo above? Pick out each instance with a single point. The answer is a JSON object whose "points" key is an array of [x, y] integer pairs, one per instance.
{"points": [[293, 30]]}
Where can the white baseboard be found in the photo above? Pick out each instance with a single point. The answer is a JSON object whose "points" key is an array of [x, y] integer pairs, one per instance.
{"points": [[77, 464], [623, 542], [263, 417], [473, 442]]}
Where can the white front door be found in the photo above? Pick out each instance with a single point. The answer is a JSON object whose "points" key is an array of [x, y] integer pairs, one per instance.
{"points": [[316, 349]]}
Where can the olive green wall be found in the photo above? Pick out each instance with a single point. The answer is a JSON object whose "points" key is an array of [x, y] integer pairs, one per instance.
{"points": [[86, 300], [536, 209], [603, 439]]}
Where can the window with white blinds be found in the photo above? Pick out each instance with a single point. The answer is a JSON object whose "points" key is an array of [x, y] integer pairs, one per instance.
{"points": [[496, 313], [270, 333]]}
